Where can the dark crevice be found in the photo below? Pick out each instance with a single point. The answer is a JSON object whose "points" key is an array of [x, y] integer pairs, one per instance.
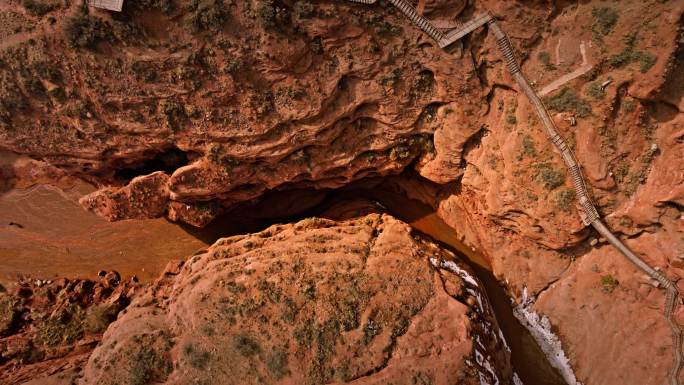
{"points": [[472, 143], [167, 161]]}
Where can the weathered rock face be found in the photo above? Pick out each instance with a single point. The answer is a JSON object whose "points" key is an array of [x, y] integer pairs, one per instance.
{"points": [[314, 302], [251, 95], [53, 326]]}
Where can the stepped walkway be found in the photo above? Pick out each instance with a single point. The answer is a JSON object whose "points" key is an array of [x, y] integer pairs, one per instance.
{"points": [[588, 211]]}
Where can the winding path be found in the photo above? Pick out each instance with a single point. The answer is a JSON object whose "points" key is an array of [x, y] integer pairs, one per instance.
{"points": [[588, 211]]}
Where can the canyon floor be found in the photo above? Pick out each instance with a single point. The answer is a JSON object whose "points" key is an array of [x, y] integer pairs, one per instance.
{"points": [[280, 191]]}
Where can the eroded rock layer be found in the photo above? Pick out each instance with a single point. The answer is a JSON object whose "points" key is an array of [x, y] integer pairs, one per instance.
{"points": [[314, 302]]}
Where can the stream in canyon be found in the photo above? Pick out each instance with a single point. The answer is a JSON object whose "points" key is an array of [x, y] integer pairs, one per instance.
{"points": [[45, 234]]}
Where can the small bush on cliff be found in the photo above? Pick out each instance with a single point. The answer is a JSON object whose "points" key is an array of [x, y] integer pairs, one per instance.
{"points": [[305, 9], [84, 31], [567, 101], [8, 313], [595, 90], [62, 328], [277, 363], [629, 55], [39, 7], [548, 176], [207, 15], [545, 58], [272, 16], [196, 358], [605, 19], [564, 199], [165, 6], [608, 283], [246, 345]]}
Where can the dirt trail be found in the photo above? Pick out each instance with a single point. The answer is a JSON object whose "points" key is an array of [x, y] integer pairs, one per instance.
{"points": [[581, 70]]}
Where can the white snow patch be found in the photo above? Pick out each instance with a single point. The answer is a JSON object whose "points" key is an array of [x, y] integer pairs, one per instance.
{"points": [[516, 379], [540, 328], [452, 266]]}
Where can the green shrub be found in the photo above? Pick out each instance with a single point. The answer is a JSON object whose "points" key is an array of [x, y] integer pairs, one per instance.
{"points": [[8, 313], [605, 19], [246, 345], [39, 7], [564, 199], [198, 359], [305, 9], [277, 363], [84, 31], [511, 119], [271, 15], [608, 283], [548, 176], [165, 6], [528, 146], [595, 90], [545, 58], [646, 61], [98, 318], [207, 15], [566, 101]]}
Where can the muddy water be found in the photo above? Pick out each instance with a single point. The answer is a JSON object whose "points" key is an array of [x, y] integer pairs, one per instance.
{"points": [[45, 233]]}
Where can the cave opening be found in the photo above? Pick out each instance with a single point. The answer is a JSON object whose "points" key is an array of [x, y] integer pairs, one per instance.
{"points": [[167, 161], [383, 195]]}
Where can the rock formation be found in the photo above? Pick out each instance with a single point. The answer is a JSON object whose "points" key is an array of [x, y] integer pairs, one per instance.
{"points": [[313, 302]]}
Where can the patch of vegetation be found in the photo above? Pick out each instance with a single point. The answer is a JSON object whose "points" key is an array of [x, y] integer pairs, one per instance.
{"points": [[316, 45], [423, 83], [381, 26], [608, 283], [564, 199], [174, 113], [165, 6], [399, 152], [65, 327], [628, 105], [207, 15], [85, 31], [629, 55], [528, 146], [370, 330], [246, 345], [148, 366], [646, 61], [605, 19], [548, 176], [422, 378], [39, 7], [234, 65], [98, 318], [545, 58], [595, 90], [277, 363], [305, 9], [8, 313], [271, 15], [197, 358], [510, 117], [567, 101]]}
